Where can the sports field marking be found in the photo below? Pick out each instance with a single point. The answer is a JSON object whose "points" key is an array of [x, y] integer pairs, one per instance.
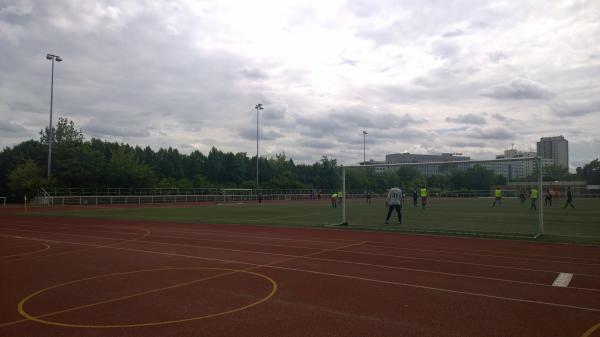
{"points": [[521, 257], [487, 255], [287, 255], [591, 330], [351, 262], [246, 270], [146, 234], [157, 235], [504, 298], [24, 313], [468, 251], [204, 231], [357, 252], [462, 262], [562, 280], [46, 247], [284, 217]]}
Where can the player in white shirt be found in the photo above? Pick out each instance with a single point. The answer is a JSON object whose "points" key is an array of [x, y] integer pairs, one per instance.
{"points": [[394, 201]]}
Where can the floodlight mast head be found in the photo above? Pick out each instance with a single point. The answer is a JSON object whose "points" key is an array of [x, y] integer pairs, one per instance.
{"points": [[259, 107], [53, 57]]}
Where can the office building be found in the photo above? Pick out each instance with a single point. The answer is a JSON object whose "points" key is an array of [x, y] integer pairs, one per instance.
{"points": [[556, 149]]}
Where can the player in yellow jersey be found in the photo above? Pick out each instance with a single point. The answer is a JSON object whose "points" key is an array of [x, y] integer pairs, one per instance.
{"points": [[533, 196], [424, 194], [497, 197]]}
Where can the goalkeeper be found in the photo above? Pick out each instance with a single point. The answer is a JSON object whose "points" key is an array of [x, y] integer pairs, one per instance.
{"points": [[394, 202]]}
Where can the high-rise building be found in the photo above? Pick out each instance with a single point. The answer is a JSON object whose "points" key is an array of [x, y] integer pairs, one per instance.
{"points": [[555, 148]]}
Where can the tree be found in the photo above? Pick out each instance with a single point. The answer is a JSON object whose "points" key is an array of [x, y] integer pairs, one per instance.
{"points": [[590, 172], [26, 178], [124, 170], [555, 172], [65, 132], [475, 178]]}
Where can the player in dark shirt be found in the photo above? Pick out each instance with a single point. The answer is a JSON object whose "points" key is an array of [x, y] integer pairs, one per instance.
{"points": [[569, 198]]}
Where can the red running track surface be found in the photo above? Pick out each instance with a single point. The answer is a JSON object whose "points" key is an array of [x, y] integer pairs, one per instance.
{"points": [[87, 277]]}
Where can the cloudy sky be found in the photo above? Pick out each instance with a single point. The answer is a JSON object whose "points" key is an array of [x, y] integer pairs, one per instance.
{"points": [[423, 76]]}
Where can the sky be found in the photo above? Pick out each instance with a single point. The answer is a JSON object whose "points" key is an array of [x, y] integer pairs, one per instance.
{"points": [[420, 76]]}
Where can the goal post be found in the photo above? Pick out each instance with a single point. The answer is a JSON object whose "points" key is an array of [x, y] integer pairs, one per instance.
{"points": [[461, 212], [238, 194]]}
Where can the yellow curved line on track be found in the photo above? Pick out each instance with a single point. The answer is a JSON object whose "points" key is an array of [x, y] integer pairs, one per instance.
{"points": [[591, 330], [145, 235], [23, 312]]}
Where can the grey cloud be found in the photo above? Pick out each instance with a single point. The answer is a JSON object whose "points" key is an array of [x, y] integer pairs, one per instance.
{"points": [[518, 89], [445, 49], [318, 143], [254, 74], [497, 56], [577, 108], [249, 133], [469, 118], [353, 118], [494, 133], [454, 33], [499, 117], [467, 143], [13, 127], [98, 128], [274, 113]]}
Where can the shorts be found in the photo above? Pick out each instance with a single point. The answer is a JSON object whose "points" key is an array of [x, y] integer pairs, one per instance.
{"points": [[424, 200]]}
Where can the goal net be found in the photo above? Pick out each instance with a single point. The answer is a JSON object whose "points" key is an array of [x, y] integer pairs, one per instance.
{"points": [[238, 195], [462, 198]]}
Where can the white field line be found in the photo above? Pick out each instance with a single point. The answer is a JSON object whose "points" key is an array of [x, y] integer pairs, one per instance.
{"points": [[467, 251], [312, 248], [474, 252], [562, 280], [493, 255], [230, 233], [336, 261], [503, 298]]}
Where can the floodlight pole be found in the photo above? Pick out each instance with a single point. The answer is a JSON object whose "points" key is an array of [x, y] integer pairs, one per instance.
{"points": [[258, 107], [50, 133], [365, 133], [541, 194], [344, 196]]}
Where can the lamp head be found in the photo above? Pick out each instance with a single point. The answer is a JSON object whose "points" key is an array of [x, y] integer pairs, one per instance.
{"points": [[48, 57], [58, 59]]}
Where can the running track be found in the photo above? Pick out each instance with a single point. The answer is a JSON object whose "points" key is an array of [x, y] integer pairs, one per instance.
{"points": [[86, 277]]}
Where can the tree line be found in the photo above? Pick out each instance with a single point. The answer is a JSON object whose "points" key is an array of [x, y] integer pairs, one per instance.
{"points": [[94, 163]]}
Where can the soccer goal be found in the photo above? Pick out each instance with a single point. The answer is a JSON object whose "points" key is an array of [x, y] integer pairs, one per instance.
{"points": [[238, 195], [431, 206]]}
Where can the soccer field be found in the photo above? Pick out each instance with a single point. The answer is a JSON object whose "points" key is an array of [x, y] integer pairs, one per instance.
{"points": [[458, 216]]}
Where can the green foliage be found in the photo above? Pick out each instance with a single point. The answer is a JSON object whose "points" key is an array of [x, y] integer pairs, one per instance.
{"points": [[590, 172], [124, 170], [555, 172], [26, 178], [475, 178], [65, 132], [97, 164]]}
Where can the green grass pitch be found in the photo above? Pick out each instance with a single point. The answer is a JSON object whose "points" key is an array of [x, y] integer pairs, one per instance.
{"points": [[458, 216]]}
